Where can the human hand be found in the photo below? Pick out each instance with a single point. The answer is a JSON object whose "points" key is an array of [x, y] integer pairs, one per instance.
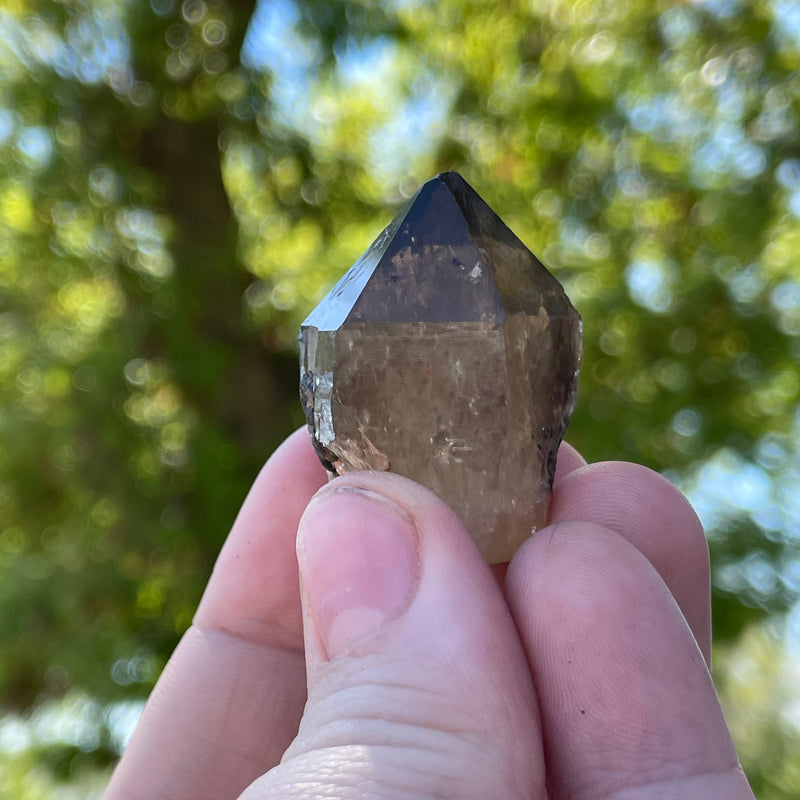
{"points": [[582, 673]]}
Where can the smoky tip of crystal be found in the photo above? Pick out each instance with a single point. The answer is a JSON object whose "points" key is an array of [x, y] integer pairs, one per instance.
{"points": [[451, 179]]}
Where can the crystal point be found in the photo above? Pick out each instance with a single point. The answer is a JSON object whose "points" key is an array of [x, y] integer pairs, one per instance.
{"points": [[449, 354]]}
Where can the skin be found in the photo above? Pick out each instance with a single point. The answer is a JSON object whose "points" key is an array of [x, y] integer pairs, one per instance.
{"points": [[393, 663]]}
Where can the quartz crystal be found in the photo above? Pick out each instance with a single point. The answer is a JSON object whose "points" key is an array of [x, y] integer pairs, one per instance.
{"points": [[448, 354]]}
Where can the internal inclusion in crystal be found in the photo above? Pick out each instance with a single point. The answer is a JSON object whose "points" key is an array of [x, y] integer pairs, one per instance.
{"points": [[447, 354]]}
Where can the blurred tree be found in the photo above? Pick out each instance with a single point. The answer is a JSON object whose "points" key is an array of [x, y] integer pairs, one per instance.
{"points": [[177, 189], [119, 266]]}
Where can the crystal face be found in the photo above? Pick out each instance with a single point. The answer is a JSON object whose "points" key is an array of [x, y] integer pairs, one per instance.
{"points": [[448, 354]]}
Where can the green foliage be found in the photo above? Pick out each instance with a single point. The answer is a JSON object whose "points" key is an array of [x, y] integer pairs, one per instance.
{"points": [[759, 689], [172, 205]]}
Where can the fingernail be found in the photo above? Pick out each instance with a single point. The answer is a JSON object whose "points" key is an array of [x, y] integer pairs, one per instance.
{"points": [[358, 559]]}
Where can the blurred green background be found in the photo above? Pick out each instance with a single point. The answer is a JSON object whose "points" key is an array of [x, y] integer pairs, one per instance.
{"points": [[181, 182]]}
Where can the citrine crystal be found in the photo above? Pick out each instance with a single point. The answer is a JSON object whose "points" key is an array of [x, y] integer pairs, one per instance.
{"points": [[448, 354]]}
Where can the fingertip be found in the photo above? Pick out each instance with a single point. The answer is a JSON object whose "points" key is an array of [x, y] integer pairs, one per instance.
{"points": [[253, 591], [624, 691], [296, 460], [443, 527], [653, 515], [569, 460], [358, 557]]}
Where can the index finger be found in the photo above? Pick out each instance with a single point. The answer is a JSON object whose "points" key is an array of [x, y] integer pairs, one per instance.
{"points": [[651, 514], [230, 698]]}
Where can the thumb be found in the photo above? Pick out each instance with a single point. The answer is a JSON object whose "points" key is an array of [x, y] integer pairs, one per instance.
{"points": [[417, 683]]}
